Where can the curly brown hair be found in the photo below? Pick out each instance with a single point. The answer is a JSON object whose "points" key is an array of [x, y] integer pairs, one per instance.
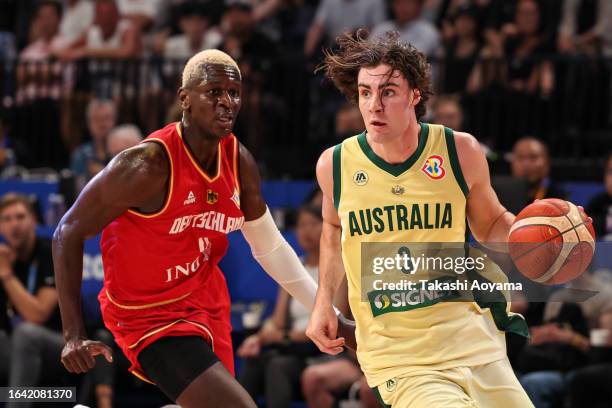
{"points": [[356, 51]]}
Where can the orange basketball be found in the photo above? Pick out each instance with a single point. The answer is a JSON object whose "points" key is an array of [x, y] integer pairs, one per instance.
{"points": [[552, 241]]}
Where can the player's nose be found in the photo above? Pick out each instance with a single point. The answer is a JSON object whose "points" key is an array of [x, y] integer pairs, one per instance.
{"points": [[225, 99], [375, 104]]}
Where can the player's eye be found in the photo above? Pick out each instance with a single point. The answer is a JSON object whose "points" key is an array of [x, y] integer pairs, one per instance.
{"points": [[388, 92], [213, 92], [365, 93], [234, 93]]}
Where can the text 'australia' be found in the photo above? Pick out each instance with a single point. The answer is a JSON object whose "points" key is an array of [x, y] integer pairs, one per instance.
{"points": [[400, 217]]}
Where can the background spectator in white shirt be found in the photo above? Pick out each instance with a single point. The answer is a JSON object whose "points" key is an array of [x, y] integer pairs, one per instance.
{"points": [[77, 18], [413, 28], [335, 17]]}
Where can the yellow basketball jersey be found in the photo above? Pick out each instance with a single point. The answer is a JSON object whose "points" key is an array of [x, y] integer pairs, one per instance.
{"points": [[422, 200]]}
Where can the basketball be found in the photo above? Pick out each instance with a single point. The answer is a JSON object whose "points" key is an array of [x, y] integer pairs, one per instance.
{"points": [[552, 241]]}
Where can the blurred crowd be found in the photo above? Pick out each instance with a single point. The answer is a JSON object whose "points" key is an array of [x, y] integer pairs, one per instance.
{"points": [[516, 66]]}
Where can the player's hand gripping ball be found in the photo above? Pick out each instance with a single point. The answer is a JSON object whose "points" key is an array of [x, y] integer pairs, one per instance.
{"points": [[552, 241]]}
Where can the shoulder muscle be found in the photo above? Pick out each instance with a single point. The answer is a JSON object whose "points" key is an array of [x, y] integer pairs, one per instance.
{"points": [[471, 159]]}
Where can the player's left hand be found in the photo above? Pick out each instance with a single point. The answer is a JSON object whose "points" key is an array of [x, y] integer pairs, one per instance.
{"points": [[78, 354], [322, 329]]}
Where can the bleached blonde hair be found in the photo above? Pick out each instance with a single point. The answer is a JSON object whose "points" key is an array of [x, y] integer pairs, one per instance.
{"points": [[193, 69]]}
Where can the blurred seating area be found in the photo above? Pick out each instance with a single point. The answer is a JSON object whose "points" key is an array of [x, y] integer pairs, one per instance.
{"points": [[518, 68]]}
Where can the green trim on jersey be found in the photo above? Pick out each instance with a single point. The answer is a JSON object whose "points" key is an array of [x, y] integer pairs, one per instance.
{"points": [[395, 169], [336, 160], [454, 160], [496, 302], [379, 398]]}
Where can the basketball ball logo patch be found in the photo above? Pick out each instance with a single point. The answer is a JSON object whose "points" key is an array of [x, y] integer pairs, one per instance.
{"points": [[433, 167]]}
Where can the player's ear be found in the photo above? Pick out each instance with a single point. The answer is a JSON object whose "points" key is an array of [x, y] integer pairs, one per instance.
{"points": [[184, 98], [416, 96]]}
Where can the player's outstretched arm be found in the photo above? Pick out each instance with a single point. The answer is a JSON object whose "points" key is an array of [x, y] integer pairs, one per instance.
{"points": [[323, 324], [136, 178], [267, 244], [489, 220]]}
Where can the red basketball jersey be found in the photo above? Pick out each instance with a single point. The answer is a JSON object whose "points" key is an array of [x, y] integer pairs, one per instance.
{"points": [[160, 270], [153, 259]]}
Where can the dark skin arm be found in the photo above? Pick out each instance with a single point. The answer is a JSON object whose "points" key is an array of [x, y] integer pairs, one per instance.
{"points": [[252, 203], [136, 178]]}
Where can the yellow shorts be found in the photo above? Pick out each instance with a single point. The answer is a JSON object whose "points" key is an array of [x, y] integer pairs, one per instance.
{"points": [[491, 385]]}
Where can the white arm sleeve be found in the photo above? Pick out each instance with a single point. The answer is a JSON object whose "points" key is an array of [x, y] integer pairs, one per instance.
{"points": [[279, 260]]}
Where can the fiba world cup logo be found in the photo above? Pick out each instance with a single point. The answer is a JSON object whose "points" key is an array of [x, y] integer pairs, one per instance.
{"points": [[433, 167]]}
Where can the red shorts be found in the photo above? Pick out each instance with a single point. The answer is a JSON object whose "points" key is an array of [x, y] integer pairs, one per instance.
{"points": [[204, 312]]}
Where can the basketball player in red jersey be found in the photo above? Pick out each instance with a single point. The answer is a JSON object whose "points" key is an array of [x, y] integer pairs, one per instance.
{"points": [[165, 207]]}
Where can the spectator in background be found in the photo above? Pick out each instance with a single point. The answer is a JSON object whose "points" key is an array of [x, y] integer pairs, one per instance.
{"points": [[196, 34], [122, 137], [585, 29], [111, 36], [44, 33], [578, 33], [166, 22], [561, 344], [527, 71], [531, 162], [349, 122], [600, 206], [140, 12], [77, 18], [461, 49], [257, 57], [314, 197], [26, 275], [276, 355], [447, 111], [413, 28], [323, 382], [335, 17], [591, 386], [253, 50], [523, 46], [266, 9], [91, 157], [41, 81]]}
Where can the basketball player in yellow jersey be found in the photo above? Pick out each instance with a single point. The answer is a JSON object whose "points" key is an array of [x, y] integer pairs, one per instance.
{"points": [[406, 181]]}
